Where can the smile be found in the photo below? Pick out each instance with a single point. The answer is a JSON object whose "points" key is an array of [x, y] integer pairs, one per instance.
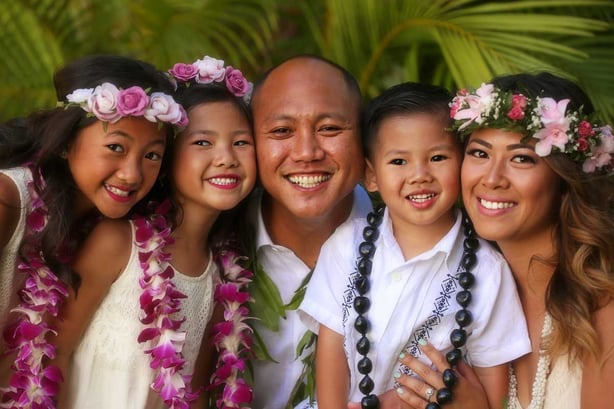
{"points": [[421, 198], [224, 181], [308, 181], [496, 205], [117, 191]]}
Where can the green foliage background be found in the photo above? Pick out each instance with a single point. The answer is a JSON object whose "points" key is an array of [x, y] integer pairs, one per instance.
{"points": [[455, 43]]}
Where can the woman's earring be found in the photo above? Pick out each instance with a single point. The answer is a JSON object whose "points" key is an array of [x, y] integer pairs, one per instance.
{"points": [[64, 154]]}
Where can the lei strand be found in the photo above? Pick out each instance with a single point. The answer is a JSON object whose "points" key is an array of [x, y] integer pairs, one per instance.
{"points": [[159, 301], [233, 336], [32, 385]]}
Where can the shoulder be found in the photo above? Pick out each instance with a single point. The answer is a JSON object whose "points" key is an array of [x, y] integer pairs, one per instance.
{"points": [[603, 320], [106, 250], [10, 205]]}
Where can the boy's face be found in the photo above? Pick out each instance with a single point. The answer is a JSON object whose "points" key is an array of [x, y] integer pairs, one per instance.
{"points": [[415, 166]]}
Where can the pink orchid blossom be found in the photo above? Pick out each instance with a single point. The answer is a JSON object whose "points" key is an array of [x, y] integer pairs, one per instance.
{"points": [[554, 134], [551, 111], [474, 105]]}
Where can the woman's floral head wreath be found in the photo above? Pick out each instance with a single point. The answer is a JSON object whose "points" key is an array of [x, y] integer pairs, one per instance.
{"points": [[210, 70], [545, 119], [110, 104]]}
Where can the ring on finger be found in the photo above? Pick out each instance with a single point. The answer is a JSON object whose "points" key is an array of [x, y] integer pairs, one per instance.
{"points": [[429, 393]]}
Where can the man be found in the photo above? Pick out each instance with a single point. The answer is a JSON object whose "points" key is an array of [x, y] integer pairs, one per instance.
{"points": [[306, 126]]}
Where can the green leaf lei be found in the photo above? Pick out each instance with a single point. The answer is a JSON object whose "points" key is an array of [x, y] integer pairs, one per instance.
{"points": [[269, 309]]}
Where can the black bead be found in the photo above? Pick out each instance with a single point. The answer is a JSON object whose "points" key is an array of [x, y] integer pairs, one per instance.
{"points": [[466, 280], [361, 324], [366, 385], [370, 402], [471, 244], [379, 210], [463, 298], [361, 284], [364, 266], [364, 366], [463, 317], [374, 219], [361, 304], [444, 395], [453, 357], [469, 261], [433, 405], [370, 234], [366, 249], [363, 345], [449, 378], [458, 337]]}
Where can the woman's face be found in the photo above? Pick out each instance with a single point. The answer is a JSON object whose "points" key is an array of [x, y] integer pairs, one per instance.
{"points": [[510, 193]]}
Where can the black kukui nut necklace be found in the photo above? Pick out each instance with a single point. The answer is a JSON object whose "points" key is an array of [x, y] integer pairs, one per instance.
{"points": [[458, 336]]}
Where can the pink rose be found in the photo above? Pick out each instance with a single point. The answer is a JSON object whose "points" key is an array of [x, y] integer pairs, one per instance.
{"points": [[519, 100], [585, 129], [103, 103], [132, 101], [209, 70], [582, 144], [236, 82], [184, 72], [163, 108], [516, 113]]}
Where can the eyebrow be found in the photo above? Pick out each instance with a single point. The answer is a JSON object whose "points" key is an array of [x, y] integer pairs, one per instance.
{"points": [[118, 132], [509, 147]]}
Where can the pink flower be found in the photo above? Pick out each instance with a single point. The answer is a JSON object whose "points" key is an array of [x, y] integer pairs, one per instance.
{"points": [[103, 103], [162, 107], [474, 105], [239, 392], [516, 113], [582, 144], [184, 72], [554, 134], [210, 70], [585, 129], [551, 111], [602, 154], [519, 100], [236, 82], [132, 101]]}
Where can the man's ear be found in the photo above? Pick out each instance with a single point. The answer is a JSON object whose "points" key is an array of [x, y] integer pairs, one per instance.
{"points": [[370, 179]]}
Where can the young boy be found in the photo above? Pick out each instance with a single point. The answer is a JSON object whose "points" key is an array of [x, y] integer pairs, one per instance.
{"points": [[413, 162]]}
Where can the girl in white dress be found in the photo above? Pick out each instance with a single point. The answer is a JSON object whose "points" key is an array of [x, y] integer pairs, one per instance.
{"points": [[137, 332], [537, 180], [96, 155]]}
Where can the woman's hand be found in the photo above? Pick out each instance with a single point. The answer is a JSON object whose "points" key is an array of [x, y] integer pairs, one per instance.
{"points": [[467, 394]]}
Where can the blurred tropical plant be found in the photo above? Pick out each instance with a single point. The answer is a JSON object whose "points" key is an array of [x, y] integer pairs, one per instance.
{"points": [[459, 43], [455, 43], [39, 36]]}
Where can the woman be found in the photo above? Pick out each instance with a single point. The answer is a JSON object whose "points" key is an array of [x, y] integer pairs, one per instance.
{"points": [[537, 180]]}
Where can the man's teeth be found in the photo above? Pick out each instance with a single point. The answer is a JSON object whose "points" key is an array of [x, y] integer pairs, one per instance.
{"points": [[308, 181], [117, 191], [422, 197], [223, 181], [495, 205]]}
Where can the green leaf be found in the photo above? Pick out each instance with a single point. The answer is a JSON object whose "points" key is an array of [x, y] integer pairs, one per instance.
{"points": [[267, 306], [260, 350], [299, 294]]}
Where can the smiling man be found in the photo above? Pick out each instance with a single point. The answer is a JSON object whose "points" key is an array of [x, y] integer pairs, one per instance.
{"points": [[306, 127]]}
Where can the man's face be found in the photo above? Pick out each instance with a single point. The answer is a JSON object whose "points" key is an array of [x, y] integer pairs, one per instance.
{"points": [[306, 128]]}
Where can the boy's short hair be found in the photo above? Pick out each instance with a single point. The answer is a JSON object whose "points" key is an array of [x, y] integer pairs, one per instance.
{"points": [[403, 99]]}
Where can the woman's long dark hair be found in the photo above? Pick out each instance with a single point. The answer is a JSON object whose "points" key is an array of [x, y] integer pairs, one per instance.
{"points": [[40, 140]]}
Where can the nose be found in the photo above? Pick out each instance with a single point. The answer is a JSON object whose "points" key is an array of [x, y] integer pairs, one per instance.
{"points": [[420, 173], [494, 175], [131, 170], [307, 147], [225, 156]]}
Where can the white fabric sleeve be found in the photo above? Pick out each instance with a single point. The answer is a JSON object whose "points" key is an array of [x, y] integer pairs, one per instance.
{"points": [[323, 298], [500, 332]]}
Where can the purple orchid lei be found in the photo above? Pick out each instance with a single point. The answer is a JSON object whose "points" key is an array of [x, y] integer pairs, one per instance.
{"points": [[159, 301], [233, 336], [32, 384]]}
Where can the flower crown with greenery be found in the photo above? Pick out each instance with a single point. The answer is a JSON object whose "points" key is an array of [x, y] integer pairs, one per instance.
{"points": [[109, 103], [545, 119], [210, 70]]}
